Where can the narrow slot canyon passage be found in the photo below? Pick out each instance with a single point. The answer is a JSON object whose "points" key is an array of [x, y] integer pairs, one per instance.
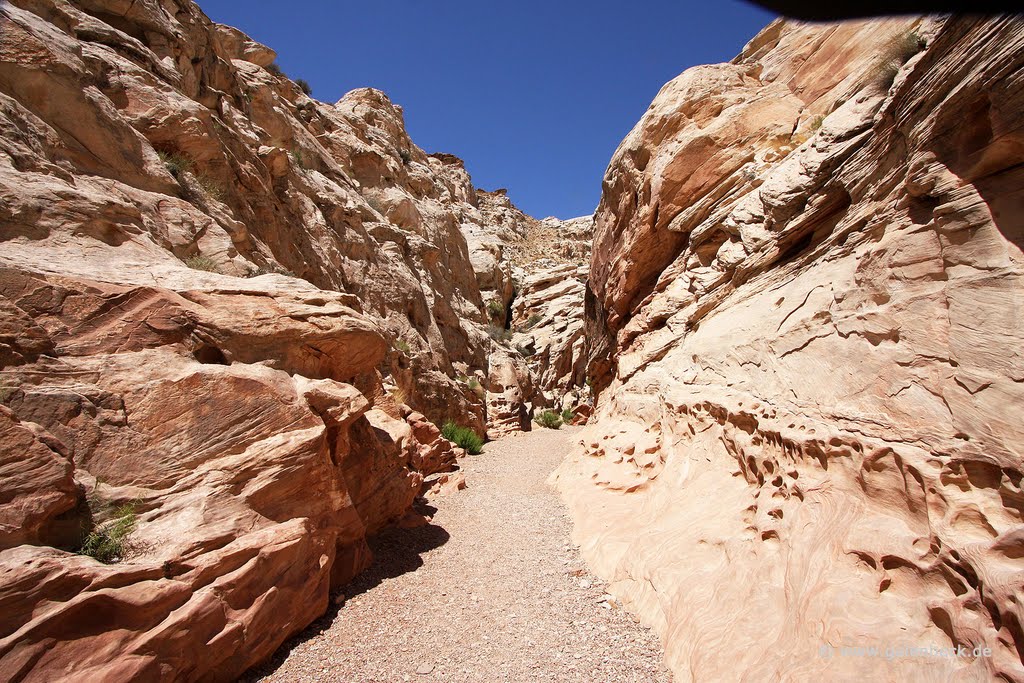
{"points": [[491, 590]]}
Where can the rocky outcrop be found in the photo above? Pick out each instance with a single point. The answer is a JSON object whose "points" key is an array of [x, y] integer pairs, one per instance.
{"points": [[548, 319], [231, 318], [803, 318]]}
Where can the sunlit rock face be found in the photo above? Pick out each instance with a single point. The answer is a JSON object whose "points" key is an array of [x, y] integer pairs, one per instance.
{"points": [[804, 318], [231, 316]]}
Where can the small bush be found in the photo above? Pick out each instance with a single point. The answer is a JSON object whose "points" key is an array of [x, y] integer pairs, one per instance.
{"points": [[464, 437], [275, 69], [210, 187], [269, 270], [532, 321], [816, 123], [399, 396], [298, 158], [894, 54], [202, 262], [304, 86], [524, 350], [108, 542], [176, 164], [499, 334], [402, 346], [549, 419], [566, 416], [406, 156], [496, 310]]}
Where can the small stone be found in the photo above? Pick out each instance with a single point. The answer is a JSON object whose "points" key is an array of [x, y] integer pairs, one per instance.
{"points": [[425, 669]]}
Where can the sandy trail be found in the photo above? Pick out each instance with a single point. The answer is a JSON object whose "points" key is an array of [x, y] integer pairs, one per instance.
{"points": [[492, 590]]}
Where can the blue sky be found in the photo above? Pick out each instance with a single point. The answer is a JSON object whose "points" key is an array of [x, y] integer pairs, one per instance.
{"points": [[534, 95]]}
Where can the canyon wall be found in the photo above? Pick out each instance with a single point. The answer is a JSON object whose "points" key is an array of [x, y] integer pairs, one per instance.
{"points": [[805, 318], [230, 318]]}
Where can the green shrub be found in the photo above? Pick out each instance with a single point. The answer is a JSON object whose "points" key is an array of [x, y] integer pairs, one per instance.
{"points": [[304, 86], [496, 310], [816, 123], [202, 262], [109, 541], [549, 419], [275, 69], [176, 163], [298, 158], [894, 54], [532, 321], [499, 334], [464, 437], [269, 270], [402, 346], [406, 156], [524, 350], [567, 416], [210, 187]]}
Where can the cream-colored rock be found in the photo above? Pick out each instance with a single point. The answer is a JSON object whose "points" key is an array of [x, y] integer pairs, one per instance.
{"points": [[510, 394], [206, 278], [807, 340]]}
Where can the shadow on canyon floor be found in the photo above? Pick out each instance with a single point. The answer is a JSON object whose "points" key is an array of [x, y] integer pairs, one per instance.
{"points": [[396, 551]]}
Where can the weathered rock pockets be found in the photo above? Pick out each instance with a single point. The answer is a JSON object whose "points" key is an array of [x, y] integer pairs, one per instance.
{"points": [[804, 317], [234, 309]]}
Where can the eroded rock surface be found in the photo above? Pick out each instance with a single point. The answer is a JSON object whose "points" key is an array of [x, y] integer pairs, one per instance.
{"points": [[804, 320], [233, 311]]}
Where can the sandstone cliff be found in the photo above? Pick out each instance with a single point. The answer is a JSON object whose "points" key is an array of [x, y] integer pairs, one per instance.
{"points": [[805, 320], [230, 318]]}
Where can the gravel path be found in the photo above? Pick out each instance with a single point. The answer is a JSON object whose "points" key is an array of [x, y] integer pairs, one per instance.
{"points": [[492, 590]]}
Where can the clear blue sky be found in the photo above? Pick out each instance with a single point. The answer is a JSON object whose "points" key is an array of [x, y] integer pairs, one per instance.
{"points": [[534, 95]]}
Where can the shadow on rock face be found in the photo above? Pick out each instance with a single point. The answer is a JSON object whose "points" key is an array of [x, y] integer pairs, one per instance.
{"points": [[396, 551]]}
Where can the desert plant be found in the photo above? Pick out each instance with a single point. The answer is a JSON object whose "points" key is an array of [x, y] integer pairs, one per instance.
{"points": [[201, 262], [406, 156], [269, 270], [402, 346], [176, 163], [211, 188], [532, 321], [495, 309], [567, 416], [304, 86], [275, 69], [399, 396], [464, 437], [298, 158], [894, 54], [549, 419], [816, 123], [499, 334], [108, 541]]}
